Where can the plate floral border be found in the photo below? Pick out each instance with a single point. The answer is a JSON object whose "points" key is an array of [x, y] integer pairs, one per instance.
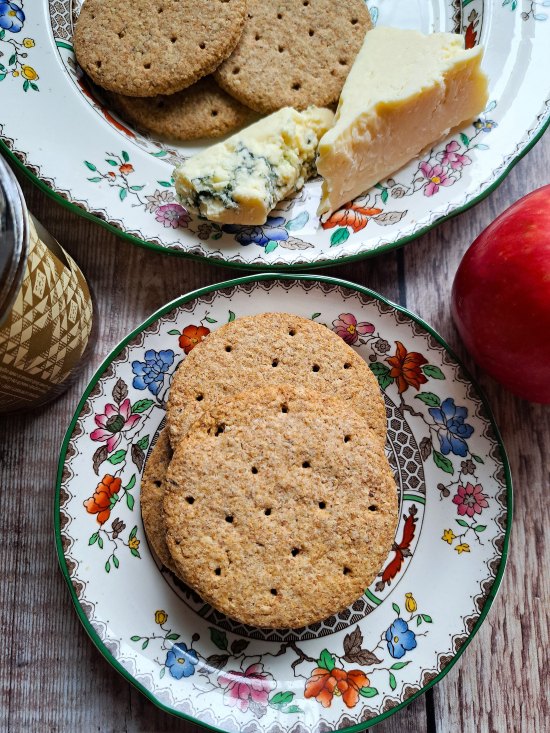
{"points": [[488, 587]]}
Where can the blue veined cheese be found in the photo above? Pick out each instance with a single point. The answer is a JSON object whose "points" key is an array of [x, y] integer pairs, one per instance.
{"points": [[240, 180], [404, 92]]}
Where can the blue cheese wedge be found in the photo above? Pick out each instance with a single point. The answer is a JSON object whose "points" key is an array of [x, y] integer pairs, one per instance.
{"points": [[241, 180], [404, 92]]}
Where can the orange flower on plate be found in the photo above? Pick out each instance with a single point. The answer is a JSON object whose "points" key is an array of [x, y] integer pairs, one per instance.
{"points": [[100, 502], [352, 216], [29, 73], [405, 368], [448, 536], [126, 169], [161, 617], [463, 547], [324, 684], [191, 336]]}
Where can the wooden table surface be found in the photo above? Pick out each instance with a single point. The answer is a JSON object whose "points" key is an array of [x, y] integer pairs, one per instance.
{"points": [[52, 677]]}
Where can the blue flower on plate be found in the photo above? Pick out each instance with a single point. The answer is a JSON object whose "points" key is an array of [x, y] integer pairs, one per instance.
{"points": [[150, 373], [454, 431], [400, 638], [485, 125], [12, 16], [272, 231], [181, 661]]}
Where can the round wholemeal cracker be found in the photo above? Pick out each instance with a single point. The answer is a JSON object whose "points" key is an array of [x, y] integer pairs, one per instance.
{"points": [[294, 53], [142, 49], [280, 507], [202, 110], [152, 495], [270, 349]]}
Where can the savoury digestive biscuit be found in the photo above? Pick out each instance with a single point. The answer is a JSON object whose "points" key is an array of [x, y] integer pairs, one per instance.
{"points": [[152, 495], [201, 110], [280, 506], [294, 53], [141, 49], [270, 349]]}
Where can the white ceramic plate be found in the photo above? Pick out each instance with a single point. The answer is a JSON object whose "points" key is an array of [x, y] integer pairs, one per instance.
{"points": [[81, 153], [358, 667]]}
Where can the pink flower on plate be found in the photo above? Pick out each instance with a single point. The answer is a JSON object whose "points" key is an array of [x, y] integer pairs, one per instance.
{"points": [[346, 327], [451, 157], [436, 177], [242, 688], [470, 500], [172, 215], [113, 422]]}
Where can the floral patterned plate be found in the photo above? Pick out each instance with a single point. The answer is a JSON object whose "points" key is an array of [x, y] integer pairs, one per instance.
{"points": [[354, 668], [103, 169]]}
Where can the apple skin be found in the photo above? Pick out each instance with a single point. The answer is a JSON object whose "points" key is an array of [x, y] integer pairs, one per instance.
{"points": [[501, 298]]}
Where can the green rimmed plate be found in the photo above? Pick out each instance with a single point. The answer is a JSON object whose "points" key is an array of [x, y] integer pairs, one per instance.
{"points": [[357, 667]]}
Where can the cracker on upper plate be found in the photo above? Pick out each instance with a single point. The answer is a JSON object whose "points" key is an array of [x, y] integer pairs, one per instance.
{"points": [[280, 506], [269, 349], [294, 53], [152, 495], [143, 48], [202, 110]]}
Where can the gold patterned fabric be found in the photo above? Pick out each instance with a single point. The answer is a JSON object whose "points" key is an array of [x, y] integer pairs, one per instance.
{"points": [[48, 327]]}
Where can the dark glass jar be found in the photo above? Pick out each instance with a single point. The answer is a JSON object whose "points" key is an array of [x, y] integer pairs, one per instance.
{"points": [[46, 309]]}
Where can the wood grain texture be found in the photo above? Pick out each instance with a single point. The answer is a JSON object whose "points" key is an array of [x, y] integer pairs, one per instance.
{"points": [[50, 672]]}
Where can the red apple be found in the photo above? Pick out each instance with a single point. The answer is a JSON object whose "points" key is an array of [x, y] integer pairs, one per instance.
{"points": [[501, 297]]}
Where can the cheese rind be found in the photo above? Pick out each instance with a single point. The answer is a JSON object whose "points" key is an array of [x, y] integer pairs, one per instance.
{"points": [[404, 92], [240, 181]]}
